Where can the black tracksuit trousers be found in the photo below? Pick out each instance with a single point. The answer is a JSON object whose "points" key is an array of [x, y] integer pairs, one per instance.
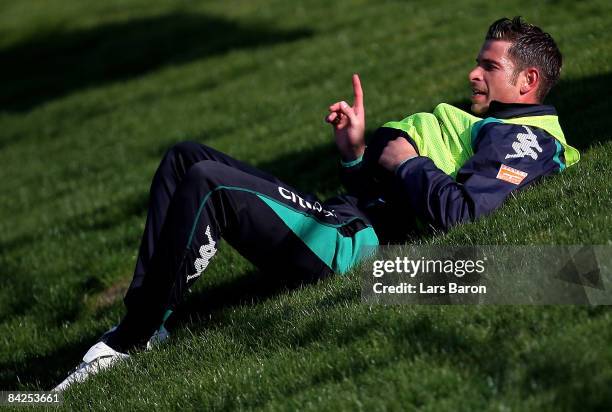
{"points": [[199, 195]]}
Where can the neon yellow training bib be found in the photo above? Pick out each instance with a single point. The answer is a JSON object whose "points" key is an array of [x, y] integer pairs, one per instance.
{"points": [[447, 134]]}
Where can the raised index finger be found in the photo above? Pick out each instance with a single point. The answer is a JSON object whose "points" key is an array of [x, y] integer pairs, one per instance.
{"points": [[358, 103]]}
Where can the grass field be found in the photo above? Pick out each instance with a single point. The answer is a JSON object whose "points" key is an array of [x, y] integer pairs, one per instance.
{"points": [[93, 93]]}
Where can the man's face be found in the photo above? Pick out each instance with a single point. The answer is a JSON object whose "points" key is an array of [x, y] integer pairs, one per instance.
{"points": [[492, 78]]}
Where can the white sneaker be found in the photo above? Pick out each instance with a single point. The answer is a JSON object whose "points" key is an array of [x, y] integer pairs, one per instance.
{"points": [[99, 356]]}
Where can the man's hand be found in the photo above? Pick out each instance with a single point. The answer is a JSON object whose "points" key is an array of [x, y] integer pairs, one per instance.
{"points": [[395, 152], [349, 124]]}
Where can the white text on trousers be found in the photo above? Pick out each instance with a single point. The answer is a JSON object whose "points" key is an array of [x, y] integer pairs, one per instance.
{"points": [[289, 195]]}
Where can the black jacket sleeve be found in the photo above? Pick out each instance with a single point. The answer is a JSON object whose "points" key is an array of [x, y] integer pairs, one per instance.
{"points": [[506, 157], [354, 178], [366, 179]]}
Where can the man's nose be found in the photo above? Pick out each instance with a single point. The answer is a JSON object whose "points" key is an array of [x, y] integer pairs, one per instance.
{"points": [[475, 74]]}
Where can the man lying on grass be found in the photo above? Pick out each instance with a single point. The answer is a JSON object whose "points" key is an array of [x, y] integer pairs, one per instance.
{"points": [[431, 169]]}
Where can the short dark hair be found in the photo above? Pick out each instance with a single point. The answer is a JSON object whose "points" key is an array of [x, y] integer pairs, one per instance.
{"points": [[531, 47]]}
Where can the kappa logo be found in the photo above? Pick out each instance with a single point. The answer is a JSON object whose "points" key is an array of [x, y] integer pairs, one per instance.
{"points": [[289, 195], [525, 145], [207, 251]]}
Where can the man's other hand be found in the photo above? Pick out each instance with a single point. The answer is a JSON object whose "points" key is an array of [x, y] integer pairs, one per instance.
{"points": [[395, 152], [349, 124]]}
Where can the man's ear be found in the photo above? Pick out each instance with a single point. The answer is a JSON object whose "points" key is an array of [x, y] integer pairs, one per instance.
{"points": [[530, 80]]}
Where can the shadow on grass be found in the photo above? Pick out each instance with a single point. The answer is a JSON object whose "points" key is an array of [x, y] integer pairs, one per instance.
{"points": [[248, 289], [584, 109], [51, 65]]}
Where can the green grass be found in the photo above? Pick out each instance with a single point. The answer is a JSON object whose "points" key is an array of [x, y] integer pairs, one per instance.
{"points": [[94, 92]]}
